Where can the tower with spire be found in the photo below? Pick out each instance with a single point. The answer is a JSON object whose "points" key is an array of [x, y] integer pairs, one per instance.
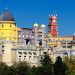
{"points": [[8, 27], [53, 26]]}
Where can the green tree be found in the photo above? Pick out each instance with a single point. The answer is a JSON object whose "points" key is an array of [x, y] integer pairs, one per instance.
{"points": [[11, 70], [46, 67], [3, 69], [46, 61], [70, 62], [22, 68], [34, 70], [60, 68]]}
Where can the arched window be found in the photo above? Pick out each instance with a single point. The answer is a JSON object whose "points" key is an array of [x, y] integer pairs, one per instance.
{"points": [[10, 25], [2, 25]]}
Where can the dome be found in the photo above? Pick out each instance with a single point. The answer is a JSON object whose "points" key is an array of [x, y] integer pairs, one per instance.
{"points": [[6, 16], [35, 25], [43, 25]]}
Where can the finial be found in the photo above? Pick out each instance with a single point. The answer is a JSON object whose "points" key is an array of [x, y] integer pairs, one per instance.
{"points": [[56, 15], [49, 15]]}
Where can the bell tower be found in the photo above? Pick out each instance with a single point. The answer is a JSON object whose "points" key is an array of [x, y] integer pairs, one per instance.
{"points": [[53, 27]]}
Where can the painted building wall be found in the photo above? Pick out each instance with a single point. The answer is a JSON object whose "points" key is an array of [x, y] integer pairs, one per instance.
{"points": [[8, 30], [6, 52]]}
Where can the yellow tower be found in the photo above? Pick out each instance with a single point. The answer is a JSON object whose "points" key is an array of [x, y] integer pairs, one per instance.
{"points": [[8, 29]]}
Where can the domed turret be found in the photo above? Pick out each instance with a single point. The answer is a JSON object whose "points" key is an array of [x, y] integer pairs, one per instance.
{"points": [[43, 25], [8, 28], [6, 16], [35, 25]]}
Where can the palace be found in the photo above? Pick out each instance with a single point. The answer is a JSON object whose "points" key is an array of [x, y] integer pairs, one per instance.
{"points": [[25, 44]]}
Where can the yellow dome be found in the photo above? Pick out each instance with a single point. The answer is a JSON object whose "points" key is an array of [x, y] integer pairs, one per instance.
{"points": [[43, 25], [35, 25]]}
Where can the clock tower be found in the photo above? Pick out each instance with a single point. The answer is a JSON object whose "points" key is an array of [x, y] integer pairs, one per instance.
{"points": [[53, 27]]}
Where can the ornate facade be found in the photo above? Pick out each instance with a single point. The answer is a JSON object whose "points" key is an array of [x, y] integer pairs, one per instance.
{"points": [[24, 44]]}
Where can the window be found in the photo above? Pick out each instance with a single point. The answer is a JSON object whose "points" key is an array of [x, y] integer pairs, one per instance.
{"points": [[49, 39], [41, 57], [20, 53], [19, 35], [34, 53], [29, 57], [2, 25], [10, 25], [44, 52], [19, 59], [23, 35], [10, 34], [2, 51], [34, 57], [2, 46], [64, 46], [19, 56], [24, 57], [10, 38], [26, 36], [40, 43], [25, 53], [27, 40], [2, 35], [30, 53], [19, 40], [30, 36], [49, 54]]}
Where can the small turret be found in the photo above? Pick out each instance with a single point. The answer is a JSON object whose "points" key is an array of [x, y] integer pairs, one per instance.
{"points": [[35, 25], [35, 32], [43, 26]]}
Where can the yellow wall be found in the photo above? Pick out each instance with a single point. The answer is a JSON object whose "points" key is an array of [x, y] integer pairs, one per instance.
{"points": [[57, 40], [63, 38], [8, 32], [52, 44]]}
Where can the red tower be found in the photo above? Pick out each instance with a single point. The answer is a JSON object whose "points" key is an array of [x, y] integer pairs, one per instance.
{"points": [[53, 27]]}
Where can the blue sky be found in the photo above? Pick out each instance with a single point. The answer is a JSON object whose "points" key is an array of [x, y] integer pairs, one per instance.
{"points": [[28, 12]]}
